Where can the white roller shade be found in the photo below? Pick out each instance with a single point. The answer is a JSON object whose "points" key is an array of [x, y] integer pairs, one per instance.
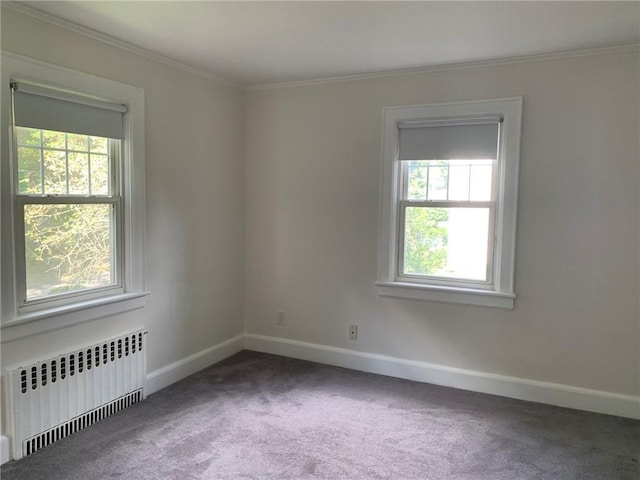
{"points": [[37, 107], [461, 139]]}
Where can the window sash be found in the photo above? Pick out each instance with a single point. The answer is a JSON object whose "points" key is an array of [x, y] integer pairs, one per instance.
{"points": [[25, 305], [403, 203], [113, 155], [401, 275], [405, 167]]}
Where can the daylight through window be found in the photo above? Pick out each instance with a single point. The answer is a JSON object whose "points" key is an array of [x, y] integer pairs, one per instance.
{"points": [[67, 187], [447, 210]]}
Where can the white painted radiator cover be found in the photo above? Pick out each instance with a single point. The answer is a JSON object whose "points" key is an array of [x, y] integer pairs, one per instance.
{"points": [[51, 399]]}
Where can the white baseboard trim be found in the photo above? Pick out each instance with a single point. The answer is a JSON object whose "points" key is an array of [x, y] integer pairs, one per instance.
{"points": [[165, 376], [512, 387], [5, 450]]}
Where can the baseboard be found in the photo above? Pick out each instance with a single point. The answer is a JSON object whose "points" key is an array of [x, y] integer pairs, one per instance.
{"points": [[512, 387], [165, 376], [519, 388], [5, 450]]}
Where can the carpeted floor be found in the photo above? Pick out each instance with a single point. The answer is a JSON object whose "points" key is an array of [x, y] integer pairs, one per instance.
{"points": [[258, 416]]}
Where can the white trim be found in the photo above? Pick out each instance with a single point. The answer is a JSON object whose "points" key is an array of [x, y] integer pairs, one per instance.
{"points": [[68, 315], [114, 42], [169, 374], [5, 449], [512, 387], [504, 228], [439, 293], [492, 62]]}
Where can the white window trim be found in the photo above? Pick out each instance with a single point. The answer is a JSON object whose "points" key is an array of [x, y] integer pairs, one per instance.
{"points": [[80, 296], [14, 322], [502, 294]]}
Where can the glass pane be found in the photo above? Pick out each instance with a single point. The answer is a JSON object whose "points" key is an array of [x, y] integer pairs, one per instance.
{"points": [[67, 171], [77, 142], [29, 174], [55, 172], [446, 242], [455, 180], [425, 240], [480, 183], [78, 173], [438, 180], [28, 136], [99, 175], [458, 182], [67, 248], [98, 144], [416, 182], [53, 139]]}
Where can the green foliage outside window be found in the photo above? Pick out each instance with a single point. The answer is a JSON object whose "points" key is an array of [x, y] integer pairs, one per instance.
{"points": [[425, 251], [68, 246]]}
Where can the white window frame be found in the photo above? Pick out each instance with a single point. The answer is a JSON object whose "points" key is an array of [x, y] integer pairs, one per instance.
{"points": [[114, 199], [16, 320], [500, 291]]}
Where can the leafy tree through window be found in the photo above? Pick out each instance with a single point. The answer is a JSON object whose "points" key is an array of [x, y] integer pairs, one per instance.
{"points": [[67, 187]]}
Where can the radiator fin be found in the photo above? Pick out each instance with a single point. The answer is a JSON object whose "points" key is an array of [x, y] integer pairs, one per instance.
{"points": [[74, 425]]}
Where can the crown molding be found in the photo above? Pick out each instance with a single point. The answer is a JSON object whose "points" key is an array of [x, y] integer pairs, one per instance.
{"points": [[114, 42], [494, 62]]}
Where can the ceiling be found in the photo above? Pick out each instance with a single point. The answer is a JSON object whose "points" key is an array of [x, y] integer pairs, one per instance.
{"points": [[253, 43]]}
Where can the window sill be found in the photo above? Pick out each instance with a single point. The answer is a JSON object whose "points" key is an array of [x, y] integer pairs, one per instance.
{"points": [[483, 298], [23, 325]]}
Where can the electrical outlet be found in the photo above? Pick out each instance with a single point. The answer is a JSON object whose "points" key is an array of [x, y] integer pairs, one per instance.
{"points": [[353, 332], [280, 319]]}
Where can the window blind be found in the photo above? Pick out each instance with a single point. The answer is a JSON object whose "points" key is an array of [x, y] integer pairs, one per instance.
{"points": [[450, 139], [49, 109]]}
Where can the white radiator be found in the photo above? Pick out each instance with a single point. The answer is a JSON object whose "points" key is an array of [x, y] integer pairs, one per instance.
{"points": [[54, 398]]}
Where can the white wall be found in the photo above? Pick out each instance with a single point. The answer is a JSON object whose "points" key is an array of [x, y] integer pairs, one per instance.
{"points": [[194, 187], [312, 186]]}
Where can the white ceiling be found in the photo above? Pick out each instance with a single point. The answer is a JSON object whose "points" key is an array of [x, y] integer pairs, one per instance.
{"points": [[266, 42]]}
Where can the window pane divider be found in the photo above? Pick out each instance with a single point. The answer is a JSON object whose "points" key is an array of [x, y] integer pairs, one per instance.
{"points": [[65, 199], [445, 281], [426, 185], [448, 178], [446, 204], [42, 172], [89, 171]]}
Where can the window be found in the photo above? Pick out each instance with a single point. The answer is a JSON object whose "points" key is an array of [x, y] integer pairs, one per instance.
{"points": [[72, 198], [68, 199], [449, 198]]}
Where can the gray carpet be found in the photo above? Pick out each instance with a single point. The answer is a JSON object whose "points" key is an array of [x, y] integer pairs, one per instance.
{"points": [[258, 416]]}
